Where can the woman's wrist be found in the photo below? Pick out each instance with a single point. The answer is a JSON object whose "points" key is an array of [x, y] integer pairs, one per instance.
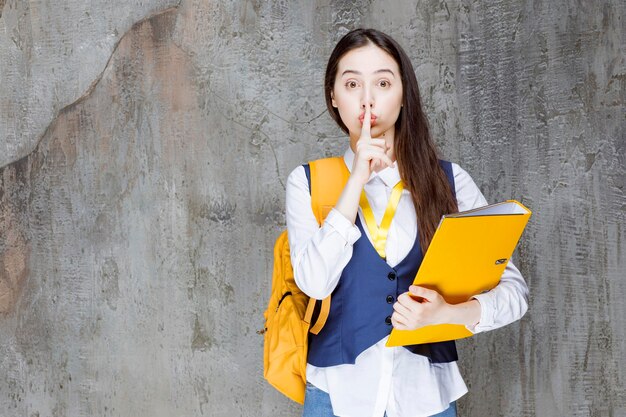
{"points": [[467, 313], [348, 203]]}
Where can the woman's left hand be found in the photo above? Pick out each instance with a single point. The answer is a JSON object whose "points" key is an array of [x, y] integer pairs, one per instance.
{"points": [[410, 314]]}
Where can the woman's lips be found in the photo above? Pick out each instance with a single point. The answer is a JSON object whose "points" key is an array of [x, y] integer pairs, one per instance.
{"points": [[372, 119]]}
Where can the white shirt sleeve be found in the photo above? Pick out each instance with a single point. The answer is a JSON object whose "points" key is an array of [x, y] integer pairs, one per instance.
{"points": [[508, 301], [318, 254]]}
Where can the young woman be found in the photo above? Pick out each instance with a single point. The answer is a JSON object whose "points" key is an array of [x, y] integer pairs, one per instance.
{"points": [[372, 94]]}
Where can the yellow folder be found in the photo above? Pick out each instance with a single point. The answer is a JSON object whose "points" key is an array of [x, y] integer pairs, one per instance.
{"points": [[466, 256]]}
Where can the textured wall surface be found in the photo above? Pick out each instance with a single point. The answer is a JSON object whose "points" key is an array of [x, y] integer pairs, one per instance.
{"points": [[144, 148], [52, 53]]}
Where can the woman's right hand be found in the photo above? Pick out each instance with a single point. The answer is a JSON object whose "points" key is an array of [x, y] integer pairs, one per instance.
{"points": [[370, 153]]}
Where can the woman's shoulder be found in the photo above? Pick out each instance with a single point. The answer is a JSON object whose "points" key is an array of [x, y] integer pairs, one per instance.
{"points": [[297, 179], [298, 171], [300, 175], [468, 194], [458, 171], [459, 174]]}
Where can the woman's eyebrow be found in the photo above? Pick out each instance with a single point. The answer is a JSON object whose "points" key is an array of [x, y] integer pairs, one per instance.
{"points": [[349, 71]]}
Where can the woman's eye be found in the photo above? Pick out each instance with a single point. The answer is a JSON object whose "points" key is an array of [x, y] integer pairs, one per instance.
{"points": [[384, 83], [351, 84]]}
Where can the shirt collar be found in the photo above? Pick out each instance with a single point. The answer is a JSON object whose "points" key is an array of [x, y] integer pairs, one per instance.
{"points": [[390, 176]]}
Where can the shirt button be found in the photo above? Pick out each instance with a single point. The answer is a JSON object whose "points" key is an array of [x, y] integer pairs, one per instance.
{"points": [[388, 320], [390, 299], [391, 275]]}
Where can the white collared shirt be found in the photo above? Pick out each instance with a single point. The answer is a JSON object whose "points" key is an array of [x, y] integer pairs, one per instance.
{"points": [[385, 379]]}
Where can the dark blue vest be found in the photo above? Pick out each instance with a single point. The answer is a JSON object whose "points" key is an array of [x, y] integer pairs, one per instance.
{"points": [[362, 304]]}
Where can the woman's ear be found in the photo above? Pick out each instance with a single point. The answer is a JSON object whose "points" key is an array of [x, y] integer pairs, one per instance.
{"points": [[332, 98]]}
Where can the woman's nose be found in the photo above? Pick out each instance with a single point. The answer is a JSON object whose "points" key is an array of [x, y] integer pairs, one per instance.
{"points": [[367, 99]]}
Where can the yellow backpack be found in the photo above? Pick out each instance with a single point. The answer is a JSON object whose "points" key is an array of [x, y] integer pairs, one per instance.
{"points": [[290, 312]]}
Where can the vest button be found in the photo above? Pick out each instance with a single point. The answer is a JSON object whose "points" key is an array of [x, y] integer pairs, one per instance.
{"points": [[388, 320], [390, 299], [392, 275]]}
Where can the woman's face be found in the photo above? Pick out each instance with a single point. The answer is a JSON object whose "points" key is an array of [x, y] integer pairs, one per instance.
{"points": [[368, 76]]}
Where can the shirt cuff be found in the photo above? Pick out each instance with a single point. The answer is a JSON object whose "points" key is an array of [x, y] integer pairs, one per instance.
{"points": [[487, 309], [344, 227]]}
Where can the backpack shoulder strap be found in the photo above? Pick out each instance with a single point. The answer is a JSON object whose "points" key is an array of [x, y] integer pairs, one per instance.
{"points": [[328, 177]]}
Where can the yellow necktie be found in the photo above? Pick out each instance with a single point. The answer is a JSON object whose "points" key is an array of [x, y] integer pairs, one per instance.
{"points": [[379, 233]]}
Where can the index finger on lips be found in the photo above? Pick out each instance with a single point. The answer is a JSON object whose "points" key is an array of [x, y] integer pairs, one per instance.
{"points": [[366, 128]]}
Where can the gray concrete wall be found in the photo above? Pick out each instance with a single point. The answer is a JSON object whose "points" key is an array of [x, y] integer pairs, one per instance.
{"points": [[144, 149]]}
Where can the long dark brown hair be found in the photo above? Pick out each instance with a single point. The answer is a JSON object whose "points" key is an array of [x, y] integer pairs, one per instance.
{"points": [[416, 153]]}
